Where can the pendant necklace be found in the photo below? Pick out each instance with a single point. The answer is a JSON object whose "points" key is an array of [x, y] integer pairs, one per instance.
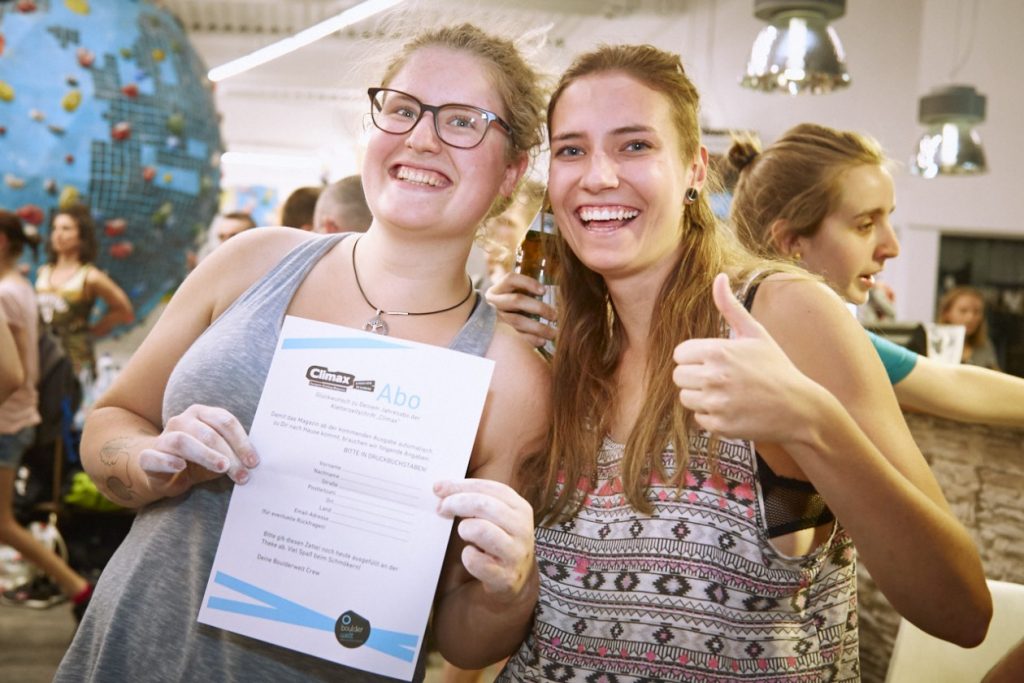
{"points": [[376, 324]]}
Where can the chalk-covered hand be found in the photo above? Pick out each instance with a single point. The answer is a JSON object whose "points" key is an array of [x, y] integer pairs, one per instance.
{"points": [[515, 297], [197, 445], [497, 525], [743, 387]]}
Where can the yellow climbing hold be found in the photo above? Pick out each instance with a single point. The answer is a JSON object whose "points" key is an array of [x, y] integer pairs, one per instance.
{"points": [[158, 55], [77, 6], [68, 196], [6, 91], [71, 101]]}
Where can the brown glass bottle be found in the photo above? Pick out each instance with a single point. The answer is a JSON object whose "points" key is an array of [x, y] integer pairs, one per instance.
{"points": [[537, 257]]}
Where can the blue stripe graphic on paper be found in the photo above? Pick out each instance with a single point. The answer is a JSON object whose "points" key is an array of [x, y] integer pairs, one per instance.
{"points": [[338, 343], [276, 608]]}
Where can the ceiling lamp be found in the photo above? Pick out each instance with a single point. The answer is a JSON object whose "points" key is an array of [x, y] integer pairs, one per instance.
{"points": [[798, 52], [950, 145]]}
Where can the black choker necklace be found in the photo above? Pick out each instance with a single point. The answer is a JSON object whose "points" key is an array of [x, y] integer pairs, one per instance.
{"points": [[376, 324]]}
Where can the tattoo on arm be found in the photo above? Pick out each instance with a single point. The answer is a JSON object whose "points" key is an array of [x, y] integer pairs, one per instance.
{"points": [[114, 450], [112, 453], [119, 488]]}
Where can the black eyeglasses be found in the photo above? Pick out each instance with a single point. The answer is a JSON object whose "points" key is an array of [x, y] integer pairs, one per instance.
{"points": [[458, 125]]}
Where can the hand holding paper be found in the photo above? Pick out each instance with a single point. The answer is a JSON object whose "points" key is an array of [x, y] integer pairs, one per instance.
{"points": [[497, 525], [202, 443]]}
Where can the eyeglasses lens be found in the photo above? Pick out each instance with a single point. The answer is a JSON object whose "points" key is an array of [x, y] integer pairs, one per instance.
{"points": [[456, 125]]}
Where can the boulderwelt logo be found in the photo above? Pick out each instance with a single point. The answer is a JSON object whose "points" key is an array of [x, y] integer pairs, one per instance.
{"points": [[351, 630], [319, 376]]}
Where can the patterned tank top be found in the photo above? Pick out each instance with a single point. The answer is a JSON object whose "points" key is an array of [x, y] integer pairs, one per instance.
{"points": [[692, 592]]}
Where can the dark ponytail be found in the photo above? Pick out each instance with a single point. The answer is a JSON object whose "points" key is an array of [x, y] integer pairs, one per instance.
{"points": [[17, 236]]}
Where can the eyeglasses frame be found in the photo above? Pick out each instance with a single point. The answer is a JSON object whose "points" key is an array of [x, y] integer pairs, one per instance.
{"points": [[489, 116]]}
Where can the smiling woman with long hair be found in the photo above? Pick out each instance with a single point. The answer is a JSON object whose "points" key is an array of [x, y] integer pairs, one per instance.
{"points": [[712, 462]]}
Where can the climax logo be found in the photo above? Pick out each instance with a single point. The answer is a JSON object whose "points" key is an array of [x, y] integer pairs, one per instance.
{"points": [[319, 376]]}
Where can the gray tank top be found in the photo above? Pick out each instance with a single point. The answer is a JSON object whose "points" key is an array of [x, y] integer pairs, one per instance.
{"points": [[141, 624]]}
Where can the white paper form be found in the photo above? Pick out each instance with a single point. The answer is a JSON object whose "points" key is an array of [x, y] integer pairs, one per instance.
{"points": [[334, 547]]}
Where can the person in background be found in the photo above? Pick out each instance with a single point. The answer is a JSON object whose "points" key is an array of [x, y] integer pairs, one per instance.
{"points": [[822, 198], [297, 211], [19, 416], [702, 495], [230, 224], [11, 373], [965, 306], [69, 285], [454, 122], [342, 207]]}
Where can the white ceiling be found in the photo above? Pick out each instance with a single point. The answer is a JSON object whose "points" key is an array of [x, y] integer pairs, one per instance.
{"points": [[312, 101]]}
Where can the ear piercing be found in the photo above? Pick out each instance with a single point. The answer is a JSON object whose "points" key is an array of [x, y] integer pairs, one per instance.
{"points": [[691, 195]]}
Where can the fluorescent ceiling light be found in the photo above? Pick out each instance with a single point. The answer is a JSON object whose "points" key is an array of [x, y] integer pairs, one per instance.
{"points": [[301, 39]]}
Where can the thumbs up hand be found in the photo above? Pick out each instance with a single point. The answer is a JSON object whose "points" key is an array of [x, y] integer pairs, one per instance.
{"points": [[743, 387]]}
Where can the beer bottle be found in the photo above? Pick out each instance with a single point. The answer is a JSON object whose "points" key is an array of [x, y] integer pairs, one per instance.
{"points": [[537, 257]]}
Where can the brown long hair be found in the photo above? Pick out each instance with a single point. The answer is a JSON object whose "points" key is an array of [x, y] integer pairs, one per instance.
{"points": [[591, 338], [517, 83], [88, 245], [980, 337], [796, 179]]}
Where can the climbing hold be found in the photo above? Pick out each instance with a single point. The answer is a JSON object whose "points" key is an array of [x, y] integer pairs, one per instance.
{"points": [[77, 6], [176, 123], [121, 131], [115, 227], [69, 196], [121, 250], [85, 57], [31, 213], [71, 100]]}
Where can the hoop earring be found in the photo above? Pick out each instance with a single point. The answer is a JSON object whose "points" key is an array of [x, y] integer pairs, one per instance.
{"points": [[691, 195]]}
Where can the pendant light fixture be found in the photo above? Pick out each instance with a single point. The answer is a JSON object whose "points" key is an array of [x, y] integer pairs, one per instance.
{"points": [[951, 144], [799, 51]]}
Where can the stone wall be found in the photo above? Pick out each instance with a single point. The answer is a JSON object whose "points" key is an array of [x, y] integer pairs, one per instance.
{"points": [[981, 471]]}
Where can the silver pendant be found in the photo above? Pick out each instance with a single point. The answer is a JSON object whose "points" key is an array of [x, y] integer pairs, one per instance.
{"points": [[376, 325]]}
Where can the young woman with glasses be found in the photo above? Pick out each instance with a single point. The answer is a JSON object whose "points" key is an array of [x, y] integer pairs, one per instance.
{"points": [[456, 117]]}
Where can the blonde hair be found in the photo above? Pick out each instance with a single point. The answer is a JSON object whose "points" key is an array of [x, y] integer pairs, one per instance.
{"points": [[796, 180], [591, 339], [980, 337], [516, 82]]}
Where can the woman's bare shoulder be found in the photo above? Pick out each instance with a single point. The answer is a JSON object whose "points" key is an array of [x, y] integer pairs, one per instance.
{"points": [[235, 265]]}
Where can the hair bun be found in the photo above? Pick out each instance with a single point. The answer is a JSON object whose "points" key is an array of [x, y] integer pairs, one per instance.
{"points": [[742, 153]]}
